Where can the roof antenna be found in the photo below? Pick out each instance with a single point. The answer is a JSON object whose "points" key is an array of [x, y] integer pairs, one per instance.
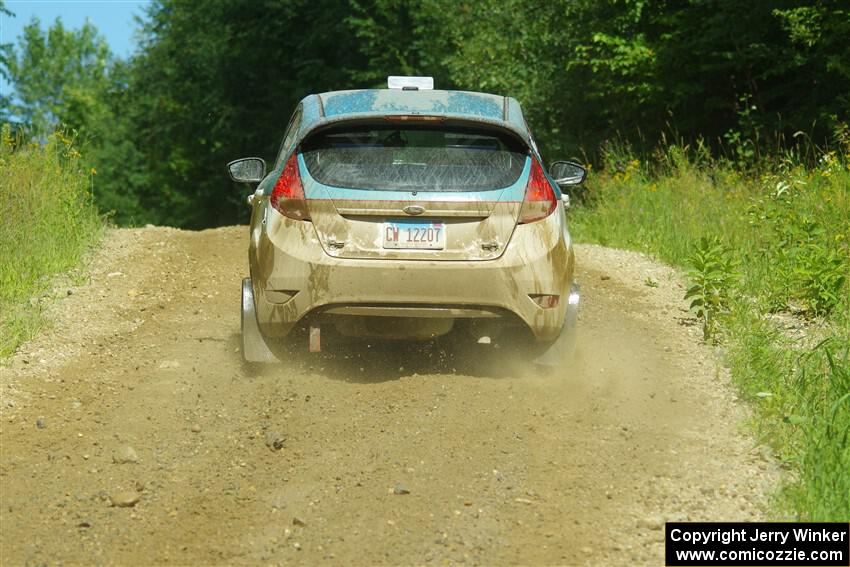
{"points": [[410, 83]]}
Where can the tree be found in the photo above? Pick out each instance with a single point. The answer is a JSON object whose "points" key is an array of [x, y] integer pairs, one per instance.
{"points": [[218, 80], [59, 77], [588, 71], [399, 37]]}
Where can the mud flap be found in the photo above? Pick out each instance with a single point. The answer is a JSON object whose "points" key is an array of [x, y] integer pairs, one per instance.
{"points": [[254, 346], [564, 346]]}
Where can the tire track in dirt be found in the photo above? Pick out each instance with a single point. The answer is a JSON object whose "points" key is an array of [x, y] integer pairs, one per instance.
{"points": [[392, 453]]}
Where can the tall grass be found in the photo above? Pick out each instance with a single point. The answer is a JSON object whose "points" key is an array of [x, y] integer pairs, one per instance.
{"points": [[48, 221], [785, 321]]}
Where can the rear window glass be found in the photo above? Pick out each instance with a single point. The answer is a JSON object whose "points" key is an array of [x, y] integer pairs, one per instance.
{"points": [[414, 158]]}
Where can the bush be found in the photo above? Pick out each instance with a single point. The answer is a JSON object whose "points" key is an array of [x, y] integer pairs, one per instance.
{"points": [[48, 223]]}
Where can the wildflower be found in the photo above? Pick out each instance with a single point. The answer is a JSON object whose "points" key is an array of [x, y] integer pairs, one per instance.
{"points": [[93, 171]]}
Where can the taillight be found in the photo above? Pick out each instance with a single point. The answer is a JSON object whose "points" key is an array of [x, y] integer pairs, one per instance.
{"points": [[540, 200], [288, 193]]}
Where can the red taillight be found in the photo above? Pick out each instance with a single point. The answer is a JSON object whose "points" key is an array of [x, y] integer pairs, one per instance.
{"points": [[540, 200], [288, 193]]}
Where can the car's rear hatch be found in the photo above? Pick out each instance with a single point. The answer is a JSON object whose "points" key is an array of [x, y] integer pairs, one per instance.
{"points": [[414, 191]]}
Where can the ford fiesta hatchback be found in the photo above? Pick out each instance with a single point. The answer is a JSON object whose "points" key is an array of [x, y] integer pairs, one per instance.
{"points": [[409, 213]]}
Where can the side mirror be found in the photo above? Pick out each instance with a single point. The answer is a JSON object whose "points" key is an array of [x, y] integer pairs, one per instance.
{"points": [[247, 170], [567, 173]]}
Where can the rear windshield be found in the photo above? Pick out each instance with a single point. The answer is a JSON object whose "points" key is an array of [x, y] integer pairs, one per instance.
{"points": [[412, 158]]}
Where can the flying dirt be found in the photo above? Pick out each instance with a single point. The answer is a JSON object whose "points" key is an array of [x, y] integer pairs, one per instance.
{"points": [[133, 433]]}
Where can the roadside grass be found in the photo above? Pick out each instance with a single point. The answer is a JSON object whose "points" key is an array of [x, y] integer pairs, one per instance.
{"points": [[48, 222], [768, 254]]}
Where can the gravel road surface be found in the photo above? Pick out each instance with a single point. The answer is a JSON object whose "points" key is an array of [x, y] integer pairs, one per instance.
{"points": [[132, 433]]}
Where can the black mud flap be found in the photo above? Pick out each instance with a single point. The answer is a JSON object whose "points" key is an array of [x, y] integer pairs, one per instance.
{"points": [[254, 345], [560, 351]]}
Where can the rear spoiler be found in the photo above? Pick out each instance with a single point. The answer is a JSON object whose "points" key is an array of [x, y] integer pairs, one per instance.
{"points": [[379, 117]]}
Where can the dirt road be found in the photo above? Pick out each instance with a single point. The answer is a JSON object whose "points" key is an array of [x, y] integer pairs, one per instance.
{"points": [[381, 454]]}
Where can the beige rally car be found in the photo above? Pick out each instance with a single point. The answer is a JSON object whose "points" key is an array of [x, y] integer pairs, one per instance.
{"points": [[409, 213]]}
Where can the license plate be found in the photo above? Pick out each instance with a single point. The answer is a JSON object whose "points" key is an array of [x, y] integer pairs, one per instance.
{"points": [[422, 235]]}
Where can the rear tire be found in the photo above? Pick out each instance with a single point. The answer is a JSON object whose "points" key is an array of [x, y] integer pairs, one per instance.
{"points": [[255, 347]]}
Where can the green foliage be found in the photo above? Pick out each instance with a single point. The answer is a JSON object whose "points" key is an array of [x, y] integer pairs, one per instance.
{"points": [[713, 277], [787, 227], [67, 78], [802, 401], [786, 231], [59, 77], [743, 140], [822, 379], [216, 80], [397, 37], [807, 245], [48, 223], [590, 71]]}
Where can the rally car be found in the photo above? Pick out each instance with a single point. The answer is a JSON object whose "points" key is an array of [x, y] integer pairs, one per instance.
{"points": [[409, 213]]}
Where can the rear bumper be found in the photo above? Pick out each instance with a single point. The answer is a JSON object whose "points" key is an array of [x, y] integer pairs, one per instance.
{"points": [[294, 278]]}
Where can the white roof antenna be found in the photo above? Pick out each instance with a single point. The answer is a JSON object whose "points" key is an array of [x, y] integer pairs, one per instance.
{"points": [[410, 83]]}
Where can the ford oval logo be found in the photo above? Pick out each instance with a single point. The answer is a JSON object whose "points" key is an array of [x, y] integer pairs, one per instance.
{"points": [[414, 210]]}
